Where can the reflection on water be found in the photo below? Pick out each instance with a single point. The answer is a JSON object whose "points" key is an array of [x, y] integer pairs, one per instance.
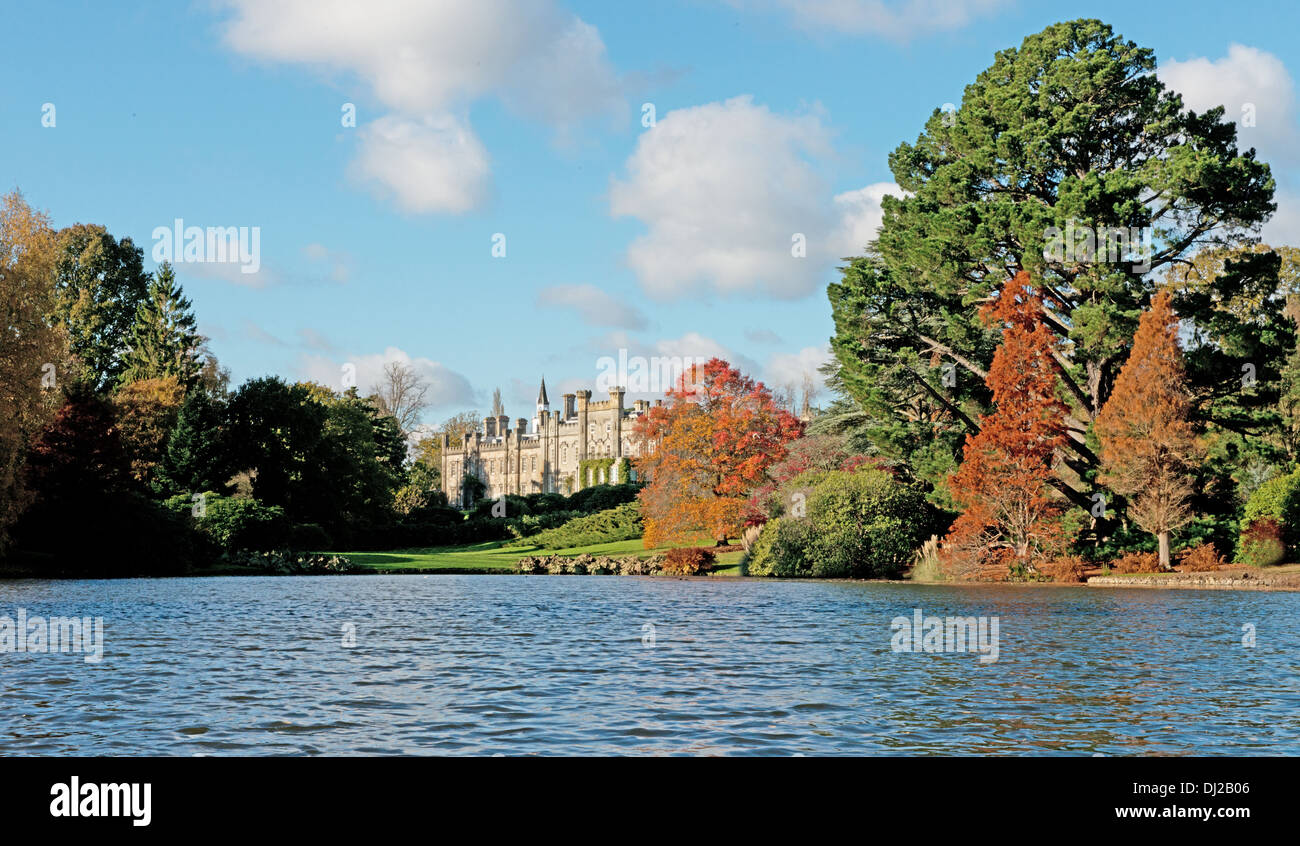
{"points": [[555, 665]]}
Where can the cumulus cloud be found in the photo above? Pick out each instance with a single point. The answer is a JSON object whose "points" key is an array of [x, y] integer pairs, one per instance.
{"points": [[899, 21], [790, 370], [426, 165], [1252, 85], [449, 391], [735, 200], [594, 306], [427, 61], [860, 216]]}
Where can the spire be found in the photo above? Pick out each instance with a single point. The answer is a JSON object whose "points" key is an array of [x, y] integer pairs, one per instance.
{"points": [[542, 401]]}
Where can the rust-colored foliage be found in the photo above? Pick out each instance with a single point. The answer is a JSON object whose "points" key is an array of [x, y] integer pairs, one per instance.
{"points": [[1009, 509], [1204, 558], [705, 450], [1148, 445], [1137, 562], [1067, 568], [688, 561]]}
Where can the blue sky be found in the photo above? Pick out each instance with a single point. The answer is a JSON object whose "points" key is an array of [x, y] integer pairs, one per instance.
{"points": [[479, 117]]}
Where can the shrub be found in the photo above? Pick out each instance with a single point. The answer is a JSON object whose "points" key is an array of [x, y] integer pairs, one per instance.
{"points": [[1200, 559], [1137, 562], [236, 522], [620, 523], [688, 561], [1067, 568], [856, 524], [1261, 543], [1278, 498], [602, 497]]}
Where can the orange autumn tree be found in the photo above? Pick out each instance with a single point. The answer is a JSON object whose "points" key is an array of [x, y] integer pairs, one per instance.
{"points": [[1004, 484], [1148, 445], [705, 450]]}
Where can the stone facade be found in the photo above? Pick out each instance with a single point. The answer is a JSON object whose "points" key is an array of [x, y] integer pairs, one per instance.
{"points": [[542, 457]]}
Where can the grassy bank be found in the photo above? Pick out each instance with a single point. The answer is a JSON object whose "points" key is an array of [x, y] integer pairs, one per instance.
{"points": [[494, 557]]}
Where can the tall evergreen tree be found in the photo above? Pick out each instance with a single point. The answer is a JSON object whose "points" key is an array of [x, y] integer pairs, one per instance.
{"points": [[195, 460], [164, 340], [1071, 132]]}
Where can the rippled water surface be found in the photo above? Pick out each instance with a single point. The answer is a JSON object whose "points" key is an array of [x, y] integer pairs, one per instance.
{"points": [[560, 665]]}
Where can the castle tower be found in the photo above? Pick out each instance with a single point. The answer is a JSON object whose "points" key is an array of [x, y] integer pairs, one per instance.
{"points": [[543, 406]]}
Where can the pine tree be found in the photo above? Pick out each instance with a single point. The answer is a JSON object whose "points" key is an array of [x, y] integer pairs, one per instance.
{"points": [[194, 460], [1148, 445], [163, 340], [1004, 484]]}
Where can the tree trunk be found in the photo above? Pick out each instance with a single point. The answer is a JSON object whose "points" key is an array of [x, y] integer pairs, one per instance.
{"points": [[1164, 550]]}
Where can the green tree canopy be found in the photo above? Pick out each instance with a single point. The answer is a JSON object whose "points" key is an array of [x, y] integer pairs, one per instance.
{"points": [[100, 282], [164, 340], [1070, 133]]}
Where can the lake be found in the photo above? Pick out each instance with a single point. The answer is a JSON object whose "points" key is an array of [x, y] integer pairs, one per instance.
{"points": [[544, 665]]}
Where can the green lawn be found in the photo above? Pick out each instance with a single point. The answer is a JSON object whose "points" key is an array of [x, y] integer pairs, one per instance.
{"points": [[493, 557]]}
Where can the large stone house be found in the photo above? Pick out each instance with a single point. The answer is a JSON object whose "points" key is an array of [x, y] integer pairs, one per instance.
{"points": [[547, 455]]}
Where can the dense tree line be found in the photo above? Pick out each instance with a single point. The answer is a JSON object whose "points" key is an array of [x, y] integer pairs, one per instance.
{"points": [[114, 412]]}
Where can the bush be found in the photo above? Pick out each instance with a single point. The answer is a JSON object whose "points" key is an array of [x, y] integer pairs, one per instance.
{"points": [[688, 561], [1261, 544], [602, 497], [1068, 568], [1279, 499], [615, 524], [1200, 559], [861, 524], [1137, 562]]}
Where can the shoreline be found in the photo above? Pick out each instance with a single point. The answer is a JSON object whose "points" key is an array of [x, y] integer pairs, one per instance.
{"points": [[1230, 580]]}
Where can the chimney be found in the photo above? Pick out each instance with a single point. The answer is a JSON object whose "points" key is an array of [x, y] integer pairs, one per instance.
{"points": [[489, 427], [569, 413], [521, 426], [503, 425]]}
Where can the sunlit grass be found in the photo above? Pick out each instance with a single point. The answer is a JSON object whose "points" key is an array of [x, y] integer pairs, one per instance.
{"points": [[493, 557]]}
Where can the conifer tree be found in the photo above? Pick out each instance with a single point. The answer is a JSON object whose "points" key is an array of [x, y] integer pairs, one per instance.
{"points": [[163, 340], [194, 460], [1148, 445], [1005, 482]]}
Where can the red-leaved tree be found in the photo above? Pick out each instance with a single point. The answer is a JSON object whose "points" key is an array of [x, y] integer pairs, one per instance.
{"points": [[1009, 509], [705, 450], [1148, 445]]}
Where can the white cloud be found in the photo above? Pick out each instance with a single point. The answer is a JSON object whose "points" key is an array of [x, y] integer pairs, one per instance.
{"points": [[861, 216], [1283, 228], [790, 369], [427, 61], [427, 165], [434, 55], [726, 191], [449, 391], [1247, 78], [899, 21], [594, 306]]}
